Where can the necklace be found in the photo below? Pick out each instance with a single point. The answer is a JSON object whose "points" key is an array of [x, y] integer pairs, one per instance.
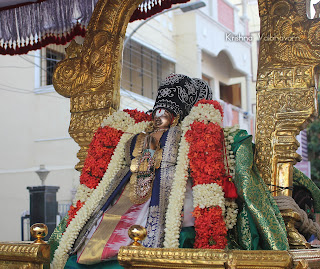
{"points": [[160, 130]]}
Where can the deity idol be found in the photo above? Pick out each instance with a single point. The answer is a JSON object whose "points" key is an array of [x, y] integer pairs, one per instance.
{"points": [[178, 174]]}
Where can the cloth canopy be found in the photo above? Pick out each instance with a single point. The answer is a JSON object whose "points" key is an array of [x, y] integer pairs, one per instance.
{"points": [[27, 25]]}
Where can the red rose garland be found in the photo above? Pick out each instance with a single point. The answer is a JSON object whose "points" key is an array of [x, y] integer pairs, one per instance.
{"points": [[100, 152]]}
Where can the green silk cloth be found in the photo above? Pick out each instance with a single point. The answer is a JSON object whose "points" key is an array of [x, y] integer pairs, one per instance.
{"points": [[55, 237], [301, 180], [259, 223], [72, 264]]}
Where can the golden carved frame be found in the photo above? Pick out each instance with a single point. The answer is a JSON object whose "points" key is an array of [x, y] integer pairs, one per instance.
{"points": [[286, 93], [90, 75]]}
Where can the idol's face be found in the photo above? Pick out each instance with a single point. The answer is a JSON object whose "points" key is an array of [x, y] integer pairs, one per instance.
{"points": [[162, 119]]}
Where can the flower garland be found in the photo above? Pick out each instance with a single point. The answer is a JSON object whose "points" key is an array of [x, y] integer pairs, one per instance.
{"points": [[138, 116], [100, 151], [99, 155], [202, 150], [229, 161], [117, 162], [119, 120], [176, 199], [107, 140]]}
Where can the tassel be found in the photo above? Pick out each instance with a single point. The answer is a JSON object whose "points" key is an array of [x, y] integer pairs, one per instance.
{"points": [[63, 40], [229, 188]]}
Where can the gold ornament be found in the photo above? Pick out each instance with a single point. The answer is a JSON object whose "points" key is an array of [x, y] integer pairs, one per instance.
{"points": [[286, 94], [39, 231], [26, 254], [175, 121], [137, 233]]}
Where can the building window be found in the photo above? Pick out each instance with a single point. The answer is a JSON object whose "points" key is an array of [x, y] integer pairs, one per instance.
{"points": [[50, 56], [231, 94], [143, 69]]}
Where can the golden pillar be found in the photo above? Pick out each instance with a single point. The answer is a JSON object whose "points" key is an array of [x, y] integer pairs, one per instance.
{"points": [[286, 93], [90, 75]]}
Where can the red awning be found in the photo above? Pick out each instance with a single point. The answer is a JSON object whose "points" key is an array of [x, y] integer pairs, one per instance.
{"points": [[27, 25]]}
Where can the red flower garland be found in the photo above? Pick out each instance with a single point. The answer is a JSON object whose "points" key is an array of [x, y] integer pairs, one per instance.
{"points": [[206, 153], [100, 152], [206, 160], [138, 116], [73, 211], [210, 227], [99, 155]]}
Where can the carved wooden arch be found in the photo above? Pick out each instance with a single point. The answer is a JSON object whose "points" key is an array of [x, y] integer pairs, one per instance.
{"points": [[90, 75]]}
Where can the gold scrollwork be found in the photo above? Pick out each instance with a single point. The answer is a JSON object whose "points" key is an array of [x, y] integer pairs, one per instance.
{"points": [[90, 76], [139, 257], [273, 125]]}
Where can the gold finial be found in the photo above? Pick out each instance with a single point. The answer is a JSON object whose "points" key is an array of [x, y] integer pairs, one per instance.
{"points": [[39, 231], [137, 233]]}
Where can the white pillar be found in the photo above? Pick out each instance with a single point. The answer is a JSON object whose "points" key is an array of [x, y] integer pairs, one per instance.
{"points": [[244, 10]]}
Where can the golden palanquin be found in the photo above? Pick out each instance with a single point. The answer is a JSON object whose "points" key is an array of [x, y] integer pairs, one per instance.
{"points": [[286, 102]]}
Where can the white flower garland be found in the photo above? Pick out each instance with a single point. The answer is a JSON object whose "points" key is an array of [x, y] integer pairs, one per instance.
{"points": [[231, 206], [203, 112], [176, 199], [119, 120], [208, 195], [231, 213], [82, 194], [228, 139], [75, 226]]}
